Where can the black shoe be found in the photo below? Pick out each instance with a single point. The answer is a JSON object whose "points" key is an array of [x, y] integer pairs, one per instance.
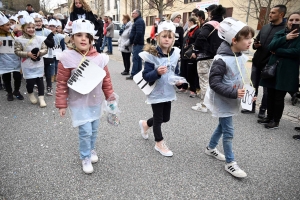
{"points": [[10, 97], [125, 73], [244, 111], [296, 137], [272, 125], [1, 88], [264, 121], [129, 78], [106, 51], [18, 95], [297, 129], [109, 53], [262, 113]]}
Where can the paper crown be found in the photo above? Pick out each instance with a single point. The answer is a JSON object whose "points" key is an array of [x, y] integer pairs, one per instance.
{"points": [[3, 19], [26, 20], [23, 13], [228, 28], [45, 21], [36, 15], [58, 22], [52, 22], [83, 26], [166, 26], [15, 17]]}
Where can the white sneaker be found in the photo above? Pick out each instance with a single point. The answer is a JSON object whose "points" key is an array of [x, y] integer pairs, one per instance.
{"points": [[144, 134], [235, 170], [165, 151], [199, 107], [215, 153], [87, 166], [94, 157]]}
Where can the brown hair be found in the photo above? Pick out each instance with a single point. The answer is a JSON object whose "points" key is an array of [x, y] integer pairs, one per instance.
{"points": [[244, 32], [293, 13], [194, 20], [85, 6], [126, 17]]}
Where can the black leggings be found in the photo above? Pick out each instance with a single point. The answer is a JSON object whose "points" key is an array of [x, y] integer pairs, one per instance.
{"points": [[39, 82], [161, 114], [7, 81], [126, 61]]}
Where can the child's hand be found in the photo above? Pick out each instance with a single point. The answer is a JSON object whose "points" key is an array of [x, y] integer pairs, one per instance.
{"points": [[178, 83], [162, 70], [70, 23], [241, 93], [0, 43], [62, 112], [254, 99]]}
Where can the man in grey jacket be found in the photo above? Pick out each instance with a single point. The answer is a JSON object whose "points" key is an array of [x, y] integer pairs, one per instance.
{"points": [[262, 55]]}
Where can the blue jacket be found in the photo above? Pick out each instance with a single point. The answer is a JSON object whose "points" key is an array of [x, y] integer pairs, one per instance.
{"points": [[137, 32]]}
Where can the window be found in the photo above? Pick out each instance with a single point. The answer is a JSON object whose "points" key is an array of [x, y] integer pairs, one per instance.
{"points": [[108, 4], [229, 12], [186, 17], [150, 20], [116, 5], [151, 4], [190, 1]]}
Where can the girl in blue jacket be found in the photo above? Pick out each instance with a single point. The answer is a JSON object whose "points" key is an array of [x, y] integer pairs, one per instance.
{"points": [[160, 65]]}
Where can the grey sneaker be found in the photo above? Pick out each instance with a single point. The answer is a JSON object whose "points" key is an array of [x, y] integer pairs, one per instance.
{"points": [[215, 153], [87, 166], [94, 157]]}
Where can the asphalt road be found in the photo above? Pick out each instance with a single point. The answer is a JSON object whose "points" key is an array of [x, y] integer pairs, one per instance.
{"points": [[39, 154]]}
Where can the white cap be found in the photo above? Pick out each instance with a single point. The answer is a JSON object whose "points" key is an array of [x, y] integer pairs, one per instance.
{"points": [[26, 20], [58, 23], [23, 13], [45, 21], [3, 19], [83, 26], [53, 22], [229, 27], [14, 17], [166, 26], [36, 15]]}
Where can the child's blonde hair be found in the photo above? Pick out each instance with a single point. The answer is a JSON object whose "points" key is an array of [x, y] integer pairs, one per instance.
{"points": [[167, 33], [24, 25]]}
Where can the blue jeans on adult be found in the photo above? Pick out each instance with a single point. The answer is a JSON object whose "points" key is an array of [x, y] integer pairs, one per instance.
{"points": [[87, 137], [136, 60], [104, 43], [109, 44], [225, 127], [99, 44]]}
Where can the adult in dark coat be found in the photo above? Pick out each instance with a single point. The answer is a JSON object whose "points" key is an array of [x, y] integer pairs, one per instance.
{"points": [[262, 54], [285, 49]]}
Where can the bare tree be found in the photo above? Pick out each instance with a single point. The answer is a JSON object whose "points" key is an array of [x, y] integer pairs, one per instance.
{"points": [[260, 9]]}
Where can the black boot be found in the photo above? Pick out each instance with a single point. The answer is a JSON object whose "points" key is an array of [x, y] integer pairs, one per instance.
{"points": [[10, 97], [262, 113]]}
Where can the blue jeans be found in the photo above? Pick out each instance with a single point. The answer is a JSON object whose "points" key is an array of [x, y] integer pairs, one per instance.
{"points": [[225, 127], [99, 44], [136, 60], [109, 44], [87, 137], [55, 66], [49, 71], [104, 43]]}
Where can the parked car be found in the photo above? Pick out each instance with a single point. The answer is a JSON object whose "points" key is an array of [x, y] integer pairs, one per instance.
{"points": [[117, 27]]}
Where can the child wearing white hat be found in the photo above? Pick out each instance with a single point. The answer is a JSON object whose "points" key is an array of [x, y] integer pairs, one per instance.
{"points": [[226, 88], [83, 84], [161, 63], [10, 62], [31, 48]]}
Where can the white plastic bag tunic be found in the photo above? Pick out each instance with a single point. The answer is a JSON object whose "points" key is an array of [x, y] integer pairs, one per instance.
{"points": [[9, 61], [32, 69], [84, 108]]}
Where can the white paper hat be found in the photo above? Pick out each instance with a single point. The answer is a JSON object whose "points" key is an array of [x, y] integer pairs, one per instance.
{"points": [[166, 26], [52, 22], [83, 26], [26, 20], [36, 15], [23, 13], [58, 23], [45, 21], [228, 28], [15, 17], [3, 19]]}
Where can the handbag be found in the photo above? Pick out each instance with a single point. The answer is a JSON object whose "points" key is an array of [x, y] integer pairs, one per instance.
{"points": [[188, 53], [269, 71], [145, 86]]}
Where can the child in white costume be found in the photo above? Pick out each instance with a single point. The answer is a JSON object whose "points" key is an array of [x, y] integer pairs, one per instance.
{"points": [[31, 48], [10, 63], [226, 83], [161, 63], [84, 105]]}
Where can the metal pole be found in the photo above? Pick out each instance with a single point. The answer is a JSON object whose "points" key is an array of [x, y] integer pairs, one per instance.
{"points": [[248, 12]]}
